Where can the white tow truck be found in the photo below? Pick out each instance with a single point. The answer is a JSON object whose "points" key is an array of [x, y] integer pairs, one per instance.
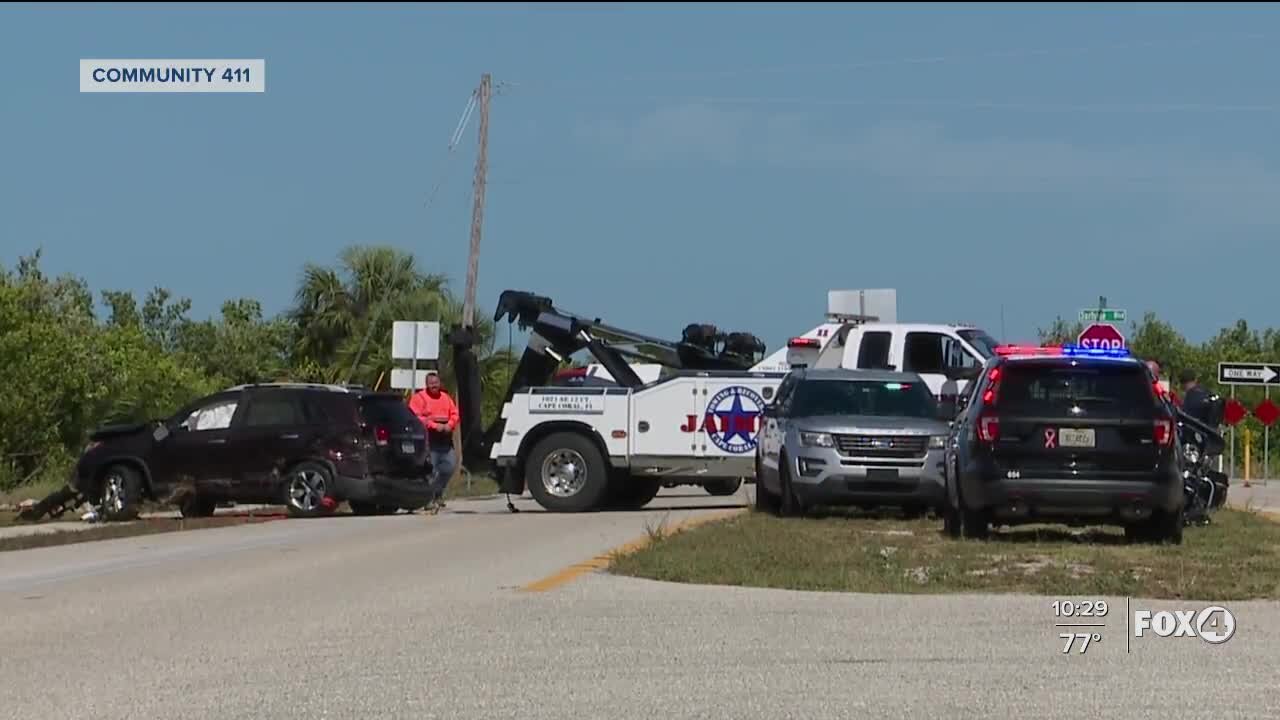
{"points": [[616, 445]]}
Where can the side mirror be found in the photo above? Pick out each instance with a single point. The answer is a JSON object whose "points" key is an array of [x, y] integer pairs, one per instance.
{"points": [[962, 373], [962, 404], [161, 432]]}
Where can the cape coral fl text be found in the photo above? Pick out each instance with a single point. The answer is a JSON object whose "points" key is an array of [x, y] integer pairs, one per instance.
{"points": [[180, 76]]}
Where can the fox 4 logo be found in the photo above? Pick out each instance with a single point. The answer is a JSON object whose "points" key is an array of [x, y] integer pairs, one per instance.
{"points": [[1214, 624]]}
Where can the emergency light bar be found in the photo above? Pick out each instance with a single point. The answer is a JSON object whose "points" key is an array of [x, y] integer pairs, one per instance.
{"points": [[804, 342], [1095, 352], [1007, 350], [1061, 351]]}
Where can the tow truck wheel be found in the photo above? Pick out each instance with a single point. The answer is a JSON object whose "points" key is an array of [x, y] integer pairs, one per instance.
{"points": [[722, 488], [632, 493], [566, 473]]}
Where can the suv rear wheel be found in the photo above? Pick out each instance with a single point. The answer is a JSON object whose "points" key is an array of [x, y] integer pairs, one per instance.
{"points": [[974, 525], [194, 506], [307, 488], [367, 508], [1161, 527]]}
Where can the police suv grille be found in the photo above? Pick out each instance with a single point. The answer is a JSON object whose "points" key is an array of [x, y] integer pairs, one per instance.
{"points": [[887, 446]]}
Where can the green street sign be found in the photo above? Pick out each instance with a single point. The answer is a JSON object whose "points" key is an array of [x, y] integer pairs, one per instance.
{"points": [[1106, 315]]}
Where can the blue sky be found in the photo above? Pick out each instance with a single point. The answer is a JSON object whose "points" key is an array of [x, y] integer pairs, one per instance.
{"points": [[657, 166]]}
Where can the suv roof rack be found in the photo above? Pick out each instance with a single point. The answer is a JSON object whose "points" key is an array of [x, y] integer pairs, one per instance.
{"points": [[330, 387]]}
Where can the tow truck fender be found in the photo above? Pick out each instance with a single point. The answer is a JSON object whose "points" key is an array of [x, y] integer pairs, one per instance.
{"points": [[514, 480]]}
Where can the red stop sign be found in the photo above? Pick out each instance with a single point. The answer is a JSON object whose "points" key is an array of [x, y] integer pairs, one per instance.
{"points": [[1101, 336], [1267, 412], [1234, 412]]}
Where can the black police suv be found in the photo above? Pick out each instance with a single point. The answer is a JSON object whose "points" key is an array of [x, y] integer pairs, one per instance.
{"points": [[1064, 437], [306, 446]]}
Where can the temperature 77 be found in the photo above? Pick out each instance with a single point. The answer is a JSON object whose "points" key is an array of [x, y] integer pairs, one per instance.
{"points": [[1084, 638]]}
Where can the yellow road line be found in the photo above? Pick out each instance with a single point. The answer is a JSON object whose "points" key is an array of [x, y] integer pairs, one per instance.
{"points": [[601, 561]]}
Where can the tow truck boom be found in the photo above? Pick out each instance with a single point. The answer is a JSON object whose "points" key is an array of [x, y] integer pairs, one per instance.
{"points": [[555, 335]]}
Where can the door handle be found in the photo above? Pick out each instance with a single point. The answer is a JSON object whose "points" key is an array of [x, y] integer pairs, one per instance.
{"points": [[218, 441], [289, 436]]}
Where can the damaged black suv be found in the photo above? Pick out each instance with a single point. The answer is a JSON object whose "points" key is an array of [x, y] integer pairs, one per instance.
{"points": [[306, 446]]}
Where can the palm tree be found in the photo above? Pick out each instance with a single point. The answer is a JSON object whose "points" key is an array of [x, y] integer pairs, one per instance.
{"points": [[343, 319]]}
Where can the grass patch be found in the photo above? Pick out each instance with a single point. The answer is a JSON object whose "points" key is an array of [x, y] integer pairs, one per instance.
{"points": [[110, 531], [37, 490], [1235, 558]]}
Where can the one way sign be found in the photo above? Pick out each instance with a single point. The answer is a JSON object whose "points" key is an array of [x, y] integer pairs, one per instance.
{"points": [[1248, 373]]}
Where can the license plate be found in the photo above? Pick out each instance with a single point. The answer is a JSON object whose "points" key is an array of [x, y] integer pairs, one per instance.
{"points": [[1072, 437], [882, 473], [407, 448]]}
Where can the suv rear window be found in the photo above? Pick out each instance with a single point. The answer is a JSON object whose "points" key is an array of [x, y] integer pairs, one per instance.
{"points": [[1104, 389], [386, 410], [863, 397]]}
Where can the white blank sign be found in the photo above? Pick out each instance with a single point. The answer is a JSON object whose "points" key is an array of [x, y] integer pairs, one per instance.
{"points": [[403, 379], [880, 303], [428, 340]]}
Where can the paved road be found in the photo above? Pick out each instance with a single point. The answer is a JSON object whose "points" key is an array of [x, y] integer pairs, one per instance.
{"points": [[423, 617]]}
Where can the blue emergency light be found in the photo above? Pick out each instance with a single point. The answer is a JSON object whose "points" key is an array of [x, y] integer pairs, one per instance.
{"points": [[1076, 350]]}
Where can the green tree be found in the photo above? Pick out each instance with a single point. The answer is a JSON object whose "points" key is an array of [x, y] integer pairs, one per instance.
{"points": [[343, 318], [241, 346], [1060, 332], [68, 371]]}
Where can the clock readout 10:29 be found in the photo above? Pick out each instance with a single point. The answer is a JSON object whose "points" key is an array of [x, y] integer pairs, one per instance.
{"points": [[1083, 608]]}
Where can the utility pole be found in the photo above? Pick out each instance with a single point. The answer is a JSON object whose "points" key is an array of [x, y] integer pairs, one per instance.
{"points": [[477, 209]]}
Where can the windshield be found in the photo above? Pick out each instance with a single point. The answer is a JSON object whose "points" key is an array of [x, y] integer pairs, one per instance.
{"points": [[1101, 390], [982, 342], [863, 397], [384, 410]]}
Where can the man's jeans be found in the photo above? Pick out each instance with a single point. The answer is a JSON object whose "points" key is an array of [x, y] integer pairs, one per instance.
{"points": [[442, 464]]}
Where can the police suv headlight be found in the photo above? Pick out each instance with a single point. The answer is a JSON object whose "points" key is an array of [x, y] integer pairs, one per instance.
{"points": [[822, 440], [1191, 453], [937, 442]]}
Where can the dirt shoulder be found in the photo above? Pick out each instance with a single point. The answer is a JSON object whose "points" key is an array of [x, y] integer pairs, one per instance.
{"points": [[1235, 558]]}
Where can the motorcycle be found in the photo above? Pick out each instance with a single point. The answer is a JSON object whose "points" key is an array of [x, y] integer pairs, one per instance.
{"points": [[1202, 444]]}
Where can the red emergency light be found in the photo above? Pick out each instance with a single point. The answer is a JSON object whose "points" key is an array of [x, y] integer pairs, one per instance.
{"points": [[798, 342], [1007, 350]]}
